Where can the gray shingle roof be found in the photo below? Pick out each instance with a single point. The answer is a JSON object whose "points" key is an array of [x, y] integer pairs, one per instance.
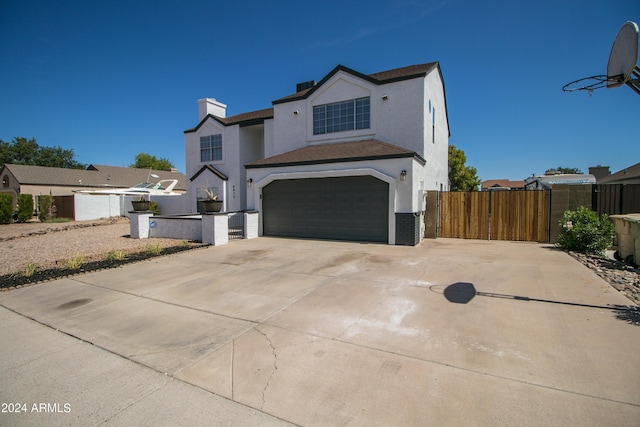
{"points": [[628, 173], [93, 176], [389, 76], [370, 149], [243, 119]]}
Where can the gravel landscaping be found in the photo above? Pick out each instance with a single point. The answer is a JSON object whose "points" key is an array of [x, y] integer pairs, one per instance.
{"points": [[35, 252], [623, 277]]}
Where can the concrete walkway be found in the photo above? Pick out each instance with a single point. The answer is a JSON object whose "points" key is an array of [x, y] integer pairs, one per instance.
{"points": [[276, 331]]}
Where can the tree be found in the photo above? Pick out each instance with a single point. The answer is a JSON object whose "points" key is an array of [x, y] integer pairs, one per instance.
{"points": [[147, 161], [565, 170], [23, 151], [461, 176]]}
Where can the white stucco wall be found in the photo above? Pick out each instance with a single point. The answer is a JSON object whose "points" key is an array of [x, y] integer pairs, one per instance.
{"points": [[193, 163], [175, 228], [436, 149], [401, 114], [240, 145], [95, 206]]}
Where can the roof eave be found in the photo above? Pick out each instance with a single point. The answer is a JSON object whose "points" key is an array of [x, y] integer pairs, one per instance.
{"points": [[416, 156]]}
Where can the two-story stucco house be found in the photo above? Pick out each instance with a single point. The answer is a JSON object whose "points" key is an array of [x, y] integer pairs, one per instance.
{"points": [[348, 158]]}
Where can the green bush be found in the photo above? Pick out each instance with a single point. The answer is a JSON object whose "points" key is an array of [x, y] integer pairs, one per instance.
{"points": [[583, 231], [153, 207], [6, 208], [25, 207], [46, 208]]}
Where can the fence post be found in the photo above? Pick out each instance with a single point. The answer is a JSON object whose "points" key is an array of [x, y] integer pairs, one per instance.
{"points": [[251, 225], [431, 215], [139, 224], [215, 229]]}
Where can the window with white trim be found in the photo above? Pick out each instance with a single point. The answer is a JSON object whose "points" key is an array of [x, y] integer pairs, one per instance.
{"points": [[210, 148], [342, 116]]}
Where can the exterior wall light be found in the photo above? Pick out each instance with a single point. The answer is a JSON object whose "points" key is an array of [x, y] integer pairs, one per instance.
{"points": [[385, 97], [249, 182], [403, 175], [296, 112]]}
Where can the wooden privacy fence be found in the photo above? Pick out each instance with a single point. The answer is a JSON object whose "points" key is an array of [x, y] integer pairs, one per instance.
{"points": [[65, 207], [494, 215], [615, 199]]}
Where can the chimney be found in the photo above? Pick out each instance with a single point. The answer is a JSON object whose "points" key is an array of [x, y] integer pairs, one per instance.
{"points": [[599, 171], [208, 106], [305, 85]]}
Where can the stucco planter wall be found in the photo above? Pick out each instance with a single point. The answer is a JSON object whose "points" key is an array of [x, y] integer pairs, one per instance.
{"points": [[628, 233]]}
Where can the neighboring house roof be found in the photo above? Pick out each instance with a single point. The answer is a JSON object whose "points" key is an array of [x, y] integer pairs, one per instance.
{"points": [[338, 152], [491, 183], [545, 182], [212, 170], [245, 119], [93, 176], [626, 174]]}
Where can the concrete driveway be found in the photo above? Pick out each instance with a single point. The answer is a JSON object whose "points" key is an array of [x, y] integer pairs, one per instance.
{"points": [[276, 331]]}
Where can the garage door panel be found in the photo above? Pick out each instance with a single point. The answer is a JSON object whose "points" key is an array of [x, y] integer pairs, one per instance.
{"points": [[343, 208]]}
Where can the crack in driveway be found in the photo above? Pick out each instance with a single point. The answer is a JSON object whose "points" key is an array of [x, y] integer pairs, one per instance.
{"points": [[275, 365]]}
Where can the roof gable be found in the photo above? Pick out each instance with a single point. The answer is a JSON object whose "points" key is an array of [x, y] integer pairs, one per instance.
{"points": [[244, 119], [338, 152], [211, 169], [384, 77]]}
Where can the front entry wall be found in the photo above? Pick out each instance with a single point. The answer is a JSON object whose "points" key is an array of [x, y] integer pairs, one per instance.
{"points": [[352, 208]]}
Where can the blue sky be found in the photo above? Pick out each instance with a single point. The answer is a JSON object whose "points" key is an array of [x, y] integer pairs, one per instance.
{"points": [[111, 79]]}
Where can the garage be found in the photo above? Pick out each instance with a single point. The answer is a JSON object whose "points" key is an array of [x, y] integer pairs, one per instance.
{"points": [[354, 208]]}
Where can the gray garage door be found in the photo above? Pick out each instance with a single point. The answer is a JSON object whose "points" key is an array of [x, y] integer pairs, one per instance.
{"points": [[345, 208]]}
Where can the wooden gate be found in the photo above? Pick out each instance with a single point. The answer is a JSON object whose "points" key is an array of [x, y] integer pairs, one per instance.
{"points": [[65, 206], [495, 215]]}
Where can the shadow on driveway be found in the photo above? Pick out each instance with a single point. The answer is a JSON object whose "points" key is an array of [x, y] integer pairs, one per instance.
{"points": [[464, 292]]}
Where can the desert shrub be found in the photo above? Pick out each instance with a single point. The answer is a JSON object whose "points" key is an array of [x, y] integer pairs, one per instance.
{"points": [[30, 270], [153, 249], [46, 208], [116, 255], [584, 231], [6, 208], [25, 207], [153, 207], [75, 263]]}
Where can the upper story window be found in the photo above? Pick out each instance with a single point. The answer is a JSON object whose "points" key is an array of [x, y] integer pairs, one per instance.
{"points": [[341, 116], [210, 148]]}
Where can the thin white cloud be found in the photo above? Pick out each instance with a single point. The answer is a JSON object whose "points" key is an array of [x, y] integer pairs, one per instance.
{"points": [[412, 11]]}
